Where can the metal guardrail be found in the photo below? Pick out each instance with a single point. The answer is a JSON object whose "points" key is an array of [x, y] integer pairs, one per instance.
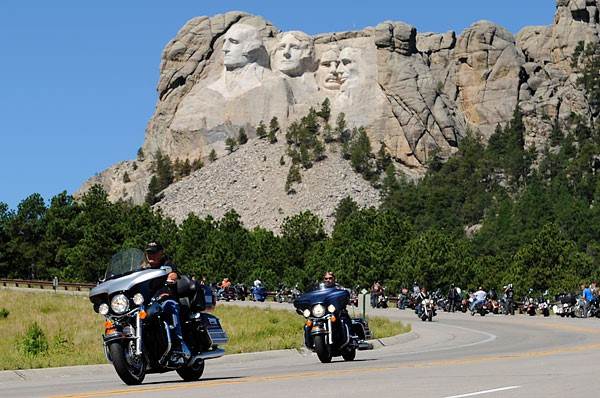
{"points": [[48, 285]]}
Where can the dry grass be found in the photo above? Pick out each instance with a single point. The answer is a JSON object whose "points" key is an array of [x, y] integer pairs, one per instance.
{"points": [[73, 329]]}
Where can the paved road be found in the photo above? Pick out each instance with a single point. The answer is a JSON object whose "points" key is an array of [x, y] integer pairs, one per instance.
{"points": [[455, 356]]}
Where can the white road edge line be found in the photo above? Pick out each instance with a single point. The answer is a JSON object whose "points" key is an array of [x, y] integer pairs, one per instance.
{"points": [[472, 394]]}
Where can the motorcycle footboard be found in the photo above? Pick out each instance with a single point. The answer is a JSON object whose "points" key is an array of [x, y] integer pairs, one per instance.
{"points": [[364, 346]]}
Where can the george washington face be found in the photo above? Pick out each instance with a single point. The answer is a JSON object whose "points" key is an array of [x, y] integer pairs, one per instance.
{"points": [[241, 45]]}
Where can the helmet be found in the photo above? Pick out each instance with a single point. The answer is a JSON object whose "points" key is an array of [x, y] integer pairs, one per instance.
{"points": [[153, 247]]}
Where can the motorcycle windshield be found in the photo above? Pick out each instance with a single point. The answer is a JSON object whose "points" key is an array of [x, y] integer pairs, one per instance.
{"points": [[323, 295], [124, 262]]}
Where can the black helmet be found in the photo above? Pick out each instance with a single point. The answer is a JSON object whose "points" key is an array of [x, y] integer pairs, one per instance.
{"points": [[153, 247]]}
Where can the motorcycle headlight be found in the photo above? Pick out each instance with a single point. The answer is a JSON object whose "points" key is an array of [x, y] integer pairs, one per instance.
{"points": [[103, 309], [306, 313], [119, 304], [331, 308], [318, 310], [138, 299]]}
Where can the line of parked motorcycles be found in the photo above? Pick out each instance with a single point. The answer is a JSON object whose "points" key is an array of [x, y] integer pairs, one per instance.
{"points": [[564, 305]]}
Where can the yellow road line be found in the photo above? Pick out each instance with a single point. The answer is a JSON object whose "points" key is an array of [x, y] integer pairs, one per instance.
{"points": [[338, 372]]}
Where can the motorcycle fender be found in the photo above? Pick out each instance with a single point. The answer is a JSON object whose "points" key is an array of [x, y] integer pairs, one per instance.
{"points": [[118, 336], [318, 329]]}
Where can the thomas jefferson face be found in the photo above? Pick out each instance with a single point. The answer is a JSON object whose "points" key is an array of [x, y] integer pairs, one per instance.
{"points": [[348, 68], [328, 70], [294, 54], [241, 44]]}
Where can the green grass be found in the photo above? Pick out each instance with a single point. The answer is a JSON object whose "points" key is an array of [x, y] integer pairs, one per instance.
{"points": [[72, 330]]}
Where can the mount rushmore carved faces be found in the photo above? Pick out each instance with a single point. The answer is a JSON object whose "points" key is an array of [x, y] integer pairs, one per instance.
{"points": [[328, 70], [294, 54], [242, 45]]}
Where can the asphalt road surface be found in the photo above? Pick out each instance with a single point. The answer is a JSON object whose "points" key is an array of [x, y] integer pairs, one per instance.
{"points": [[455, 356]]}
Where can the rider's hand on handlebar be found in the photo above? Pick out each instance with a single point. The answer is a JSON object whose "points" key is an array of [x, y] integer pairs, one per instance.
{"points": [[172, 278]]}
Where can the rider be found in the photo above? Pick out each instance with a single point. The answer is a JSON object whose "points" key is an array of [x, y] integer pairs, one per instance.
{"points": [[155, 258], [423, 294], [329, 282], [376, 291], [452, 296], [479, 298]]}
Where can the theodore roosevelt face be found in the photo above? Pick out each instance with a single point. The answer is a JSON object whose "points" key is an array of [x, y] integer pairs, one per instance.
{"points": [[328, 70]]}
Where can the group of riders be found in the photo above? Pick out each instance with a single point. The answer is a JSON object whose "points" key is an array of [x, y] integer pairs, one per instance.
{"points": [[155, 258]]}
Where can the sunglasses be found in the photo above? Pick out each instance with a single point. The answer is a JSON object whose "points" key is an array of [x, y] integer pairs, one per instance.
{"points": [[328, 279]]}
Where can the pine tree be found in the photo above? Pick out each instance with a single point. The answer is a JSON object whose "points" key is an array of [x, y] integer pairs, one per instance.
{"points": [[360, 152], [126, 178], [230, 144], [282, 160], [198, 164], [293, 176], [383, 158], [242, 137], [153, 191], [318, 151], [186, 168], [341, 130], [390, 182], [140, 154], [273, 130], [212, 156], [328, 134], [261, 130], [325, 111], [305, 158]]}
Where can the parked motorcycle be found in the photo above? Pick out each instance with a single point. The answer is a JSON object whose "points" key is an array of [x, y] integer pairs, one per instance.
{"points": [[258, 293], [382, 300], [482, 309], [328, 330], [137, 339], [543, 304], [241, 291], [286, 295], [565, 305]]}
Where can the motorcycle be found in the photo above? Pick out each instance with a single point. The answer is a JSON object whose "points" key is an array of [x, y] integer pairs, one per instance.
{"points": [[403, 300], [382, 301], [227, 294], [426, 310], [482, 309], [529, 306], [544, 304], [285, 295], [328, 330], [137, 339], [565, 305], [259, 293], [241, 291]]}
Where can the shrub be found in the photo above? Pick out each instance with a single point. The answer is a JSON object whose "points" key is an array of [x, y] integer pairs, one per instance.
{"points": [[35, 341], [4, 313]]}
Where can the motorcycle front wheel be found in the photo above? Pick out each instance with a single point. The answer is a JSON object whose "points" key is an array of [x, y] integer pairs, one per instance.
{"points": [[321, 349], [130, 368]]}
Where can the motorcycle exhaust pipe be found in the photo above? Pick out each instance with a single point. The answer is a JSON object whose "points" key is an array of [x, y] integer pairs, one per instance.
{"points": [[216, 353]]}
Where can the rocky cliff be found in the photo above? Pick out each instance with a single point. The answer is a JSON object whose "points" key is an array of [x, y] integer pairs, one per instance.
{"points": [[416, 93]]}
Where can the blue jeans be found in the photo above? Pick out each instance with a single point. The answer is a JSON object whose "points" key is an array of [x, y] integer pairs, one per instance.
{"points": [[476, 303], [171, 308]]}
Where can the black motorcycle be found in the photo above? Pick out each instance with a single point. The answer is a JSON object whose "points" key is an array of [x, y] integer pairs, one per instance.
{"points": [[137, 337], [329, 331]]}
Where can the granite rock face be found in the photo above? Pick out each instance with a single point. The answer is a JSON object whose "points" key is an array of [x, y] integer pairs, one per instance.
{"points": [[417, 93]]}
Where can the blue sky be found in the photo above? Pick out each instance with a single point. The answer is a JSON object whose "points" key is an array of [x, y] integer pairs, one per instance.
{"points": [[78, 78]]}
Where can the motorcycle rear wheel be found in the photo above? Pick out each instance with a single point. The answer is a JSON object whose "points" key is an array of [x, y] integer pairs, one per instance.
{"points": [[430, 317], [191, 374], [349, 354], [121, 359], [322, 349]]}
